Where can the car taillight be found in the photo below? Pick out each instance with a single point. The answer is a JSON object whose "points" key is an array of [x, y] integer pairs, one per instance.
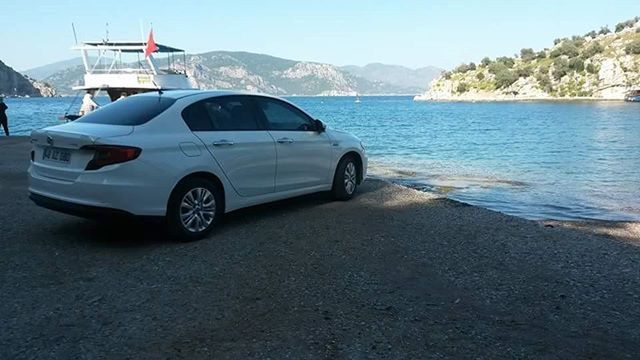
{"points": [[110, 154]]}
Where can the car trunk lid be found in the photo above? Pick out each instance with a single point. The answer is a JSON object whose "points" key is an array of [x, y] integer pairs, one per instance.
{"points": [[59, 153]]}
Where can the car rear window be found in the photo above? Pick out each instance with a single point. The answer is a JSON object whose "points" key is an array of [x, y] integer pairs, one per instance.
{"points": [[134, 110]]}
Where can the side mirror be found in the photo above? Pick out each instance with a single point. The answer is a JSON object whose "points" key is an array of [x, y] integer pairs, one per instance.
{"points": [[320, 126]]}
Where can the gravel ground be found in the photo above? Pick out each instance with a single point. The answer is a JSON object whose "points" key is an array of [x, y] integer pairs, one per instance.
{"points": [[394, 273]]}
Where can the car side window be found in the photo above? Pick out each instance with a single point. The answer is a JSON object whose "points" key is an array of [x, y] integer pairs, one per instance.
{"points": [[226, 113], [197, 118], [282, 116]]}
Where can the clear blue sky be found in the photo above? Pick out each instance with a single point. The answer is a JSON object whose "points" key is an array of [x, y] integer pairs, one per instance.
{"points": [[407, 32]]}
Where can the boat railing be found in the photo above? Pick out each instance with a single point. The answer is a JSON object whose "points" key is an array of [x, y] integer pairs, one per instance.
{"points": [[165, 71]]}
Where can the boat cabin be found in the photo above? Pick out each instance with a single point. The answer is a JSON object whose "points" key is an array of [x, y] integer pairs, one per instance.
{"points": [[121, 68]]}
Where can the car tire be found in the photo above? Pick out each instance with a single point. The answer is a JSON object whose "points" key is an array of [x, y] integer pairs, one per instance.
{"points": [[194, 209], [345, 180]]}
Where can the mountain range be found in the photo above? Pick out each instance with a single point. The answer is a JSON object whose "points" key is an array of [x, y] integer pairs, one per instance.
{"points": [[264, 73], [408, 80]]}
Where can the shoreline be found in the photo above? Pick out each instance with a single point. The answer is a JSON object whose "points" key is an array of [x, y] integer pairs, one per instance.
{"points": [[619, 229], [623, 230], [492, 100]]}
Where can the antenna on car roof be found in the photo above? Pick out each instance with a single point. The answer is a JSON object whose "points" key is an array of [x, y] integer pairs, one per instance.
{"points": [[158, 88]]}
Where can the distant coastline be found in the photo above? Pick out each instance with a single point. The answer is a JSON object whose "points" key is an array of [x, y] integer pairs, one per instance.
{"points": [[421, 98], [597, 66]]}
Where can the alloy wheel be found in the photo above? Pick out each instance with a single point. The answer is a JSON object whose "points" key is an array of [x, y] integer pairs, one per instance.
{"points": [[350, 178], [197, 209]]}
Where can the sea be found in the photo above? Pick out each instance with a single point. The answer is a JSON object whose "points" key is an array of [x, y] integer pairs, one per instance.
{"points": [[536, 160]]}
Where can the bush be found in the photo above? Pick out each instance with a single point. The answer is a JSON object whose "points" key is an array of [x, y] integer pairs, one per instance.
{"points": [[596, 48], [578, 41], [541, 55], [527, 54], [592, 69], [524, 72], [560, 68], [465, 68], [626, 24], [591, 34], [505, 78], [544, 69], [544, 81], [480, 76], [497, 67], [486, 62], [462, 87], [507, 61], [567, 48], [576, 64], [557, 41], [604, 30], [633, 48], [447, 75], [461, 69]]}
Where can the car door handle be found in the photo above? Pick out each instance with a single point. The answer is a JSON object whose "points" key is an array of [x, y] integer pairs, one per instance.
{"points": [[285, 140], [223, 143]]}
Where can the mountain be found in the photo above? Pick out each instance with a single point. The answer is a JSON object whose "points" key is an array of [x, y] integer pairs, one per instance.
{"points": [[43, 88], [598, 65], [239, 70], [12, 83], [65, 79], [269, 74], [42, 72], [404, 79]]}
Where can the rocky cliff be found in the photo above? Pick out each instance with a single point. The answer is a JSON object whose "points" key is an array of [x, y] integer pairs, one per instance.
{"points": [[44, 88], [13, 83], [598, 65]]}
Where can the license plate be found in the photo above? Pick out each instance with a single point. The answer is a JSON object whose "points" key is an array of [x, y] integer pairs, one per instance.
{"points": [[56, 154]]}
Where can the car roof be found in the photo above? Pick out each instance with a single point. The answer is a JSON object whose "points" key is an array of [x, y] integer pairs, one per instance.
{"points": [[179, 94]]}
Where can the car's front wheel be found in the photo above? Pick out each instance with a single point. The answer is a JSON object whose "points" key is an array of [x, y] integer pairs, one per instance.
{"points": [[194, 209], [345, 181]]}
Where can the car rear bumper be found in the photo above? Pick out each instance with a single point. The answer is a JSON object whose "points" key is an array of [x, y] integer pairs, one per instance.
{"points": [[124, 191], [86, 211]]}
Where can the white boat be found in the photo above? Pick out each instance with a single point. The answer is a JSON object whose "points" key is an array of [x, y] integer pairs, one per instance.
{"points": [[123, 68], [358, 99]]}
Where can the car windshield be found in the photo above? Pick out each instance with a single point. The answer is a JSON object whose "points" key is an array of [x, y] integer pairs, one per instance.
{"points": [[134, 110]]}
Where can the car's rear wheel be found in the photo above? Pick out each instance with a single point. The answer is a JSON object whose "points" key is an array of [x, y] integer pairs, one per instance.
{"points": [[345, 181], [194, 209]]}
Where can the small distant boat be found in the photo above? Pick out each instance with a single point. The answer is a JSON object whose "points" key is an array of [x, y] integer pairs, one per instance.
{"points": [[358, 99], [633, 96]]}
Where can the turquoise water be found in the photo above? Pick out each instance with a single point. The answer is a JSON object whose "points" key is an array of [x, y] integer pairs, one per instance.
{"points": [[538, 160]]}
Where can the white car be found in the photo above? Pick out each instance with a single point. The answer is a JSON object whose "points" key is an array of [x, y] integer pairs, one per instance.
{"points": [[190, 156]]}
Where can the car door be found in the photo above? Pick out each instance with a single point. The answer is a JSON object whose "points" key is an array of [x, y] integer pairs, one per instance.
{"points": [[237, 139], [304, 154]]}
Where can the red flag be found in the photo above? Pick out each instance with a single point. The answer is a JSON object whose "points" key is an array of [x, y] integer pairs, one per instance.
{"points": [[151, 45]]}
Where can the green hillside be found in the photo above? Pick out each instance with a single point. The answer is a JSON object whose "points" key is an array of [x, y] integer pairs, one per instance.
{"points": [[601, 64]]}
